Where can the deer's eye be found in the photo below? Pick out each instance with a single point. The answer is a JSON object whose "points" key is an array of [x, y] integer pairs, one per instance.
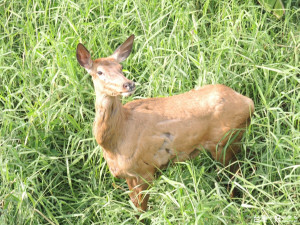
{"points": [[99, 73]]}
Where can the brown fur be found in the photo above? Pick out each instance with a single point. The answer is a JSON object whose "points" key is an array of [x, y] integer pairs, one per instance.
{"points": [[144, 135]]}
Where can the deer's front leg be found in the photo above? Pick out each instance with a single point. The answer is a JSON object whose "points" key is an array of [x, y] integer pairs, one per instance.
{"points": [[136, 186]]}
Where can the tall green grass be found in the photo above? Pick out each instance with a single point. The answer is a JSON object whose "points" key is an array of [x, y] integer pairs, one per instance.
{"points": [[53, 172]]}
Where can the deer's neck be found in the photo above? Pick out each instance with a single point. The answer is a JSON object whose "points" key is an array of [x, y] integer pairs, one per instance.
{"points": [[109, 120]]}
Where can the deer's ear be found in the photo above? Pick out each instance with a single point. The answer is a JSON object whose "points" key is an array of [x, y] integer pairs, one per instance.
{"points": [[83, 56], [123, 51]]}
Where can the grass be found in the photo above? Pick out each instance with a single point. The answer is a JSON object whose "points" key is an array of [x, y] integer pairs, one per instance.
{"points": [[53, 172]]}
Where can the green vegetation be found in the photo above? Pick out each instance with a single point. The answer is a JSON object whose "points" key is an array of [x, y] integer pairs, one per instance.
{"points": [[276, 6], [53, 172]]}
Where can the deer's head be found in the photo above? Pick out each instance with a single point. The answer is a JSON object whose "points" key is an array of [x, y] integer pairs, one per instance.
{"points": [[107, 72]]}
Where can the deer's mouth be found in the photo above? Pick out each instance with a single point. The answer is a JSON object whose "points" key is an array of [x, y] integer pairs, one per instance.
{"points": [[128, 93]]}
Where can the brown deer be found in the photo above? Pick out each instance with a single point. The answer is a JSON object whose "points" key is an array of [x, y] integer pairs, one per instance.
{"points": [[145, 135]]}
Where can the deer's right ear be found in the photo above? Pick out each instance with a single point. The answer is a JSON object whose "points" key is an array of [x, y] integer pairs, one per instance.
{"points": [[123, 51], [83, 56]]}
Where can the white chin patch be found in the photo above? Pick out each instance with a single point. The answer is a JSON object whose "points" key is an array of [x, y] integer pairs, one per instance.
{"points": [[126, 94]]}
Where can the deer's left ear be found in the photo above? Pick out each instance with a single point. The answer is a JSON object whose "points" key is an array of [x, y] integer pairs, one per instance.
{"points": [[83, 56], [123, 51]]}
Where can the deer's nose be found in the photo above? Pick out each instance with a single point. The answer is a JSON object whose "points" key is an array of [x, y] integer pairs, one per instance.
{"points": [[129, 86]]}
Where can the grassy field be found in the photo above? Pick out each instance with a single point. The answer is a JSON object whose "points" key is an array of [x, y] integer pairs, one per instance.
{"points": [[53, 172]]}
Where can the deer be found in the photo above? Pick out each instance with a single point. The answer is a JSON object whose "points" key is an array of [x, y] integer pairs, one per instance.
{"points": [[144, 136]]}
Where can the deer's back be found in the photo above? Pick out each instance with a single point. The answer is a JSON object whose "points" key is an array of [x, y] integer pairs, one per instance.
{"points": [[208, 101]]}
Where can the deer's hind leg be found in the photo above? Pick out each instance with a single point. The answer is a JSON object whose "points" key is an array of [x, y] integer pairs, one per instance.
{"points": [[136, 186], [225, 152]]}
